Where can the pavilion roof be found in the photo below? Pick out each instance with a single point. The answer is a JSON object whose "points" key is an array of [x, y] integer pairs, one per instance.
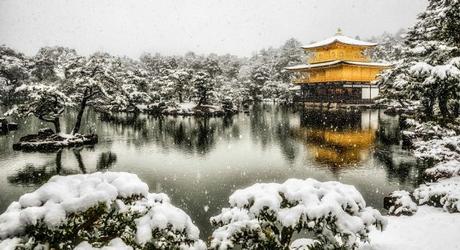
{"points": [[341, 39], [333, 63]]}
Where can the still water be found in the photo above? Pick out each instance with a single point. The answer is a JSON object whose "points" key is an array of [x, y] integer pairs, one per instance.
{"points": [[199, 162]]}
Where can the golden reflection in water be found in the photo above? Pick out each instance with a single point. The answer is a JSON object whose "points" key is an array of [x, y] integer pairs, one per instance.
{"points": [[345, 144]]}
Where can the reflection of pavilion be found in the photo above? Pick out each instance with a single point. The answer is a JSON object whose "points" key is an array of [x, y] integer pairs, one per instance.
{"points": [[338, 138]]}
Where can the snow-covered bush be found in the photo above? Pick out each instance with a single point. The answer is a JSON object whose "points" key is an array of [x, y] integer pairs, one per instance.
{"points": [[445, 194], [402, 203], [443, 170], [95, 209], [438, 150], [266, 215]]}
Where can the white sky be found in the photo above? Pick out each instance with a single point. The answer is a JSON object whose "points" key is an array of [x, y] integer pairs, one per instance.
{"points": [[238, 27]]}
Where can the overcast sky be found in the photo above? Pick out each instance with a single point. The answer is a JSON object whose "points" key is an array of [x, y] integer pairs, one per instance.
{"points": [[239, 27]]}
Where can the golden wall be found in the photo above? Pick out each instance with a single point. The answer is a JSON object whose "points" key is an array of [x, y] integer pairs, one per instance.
{"points": [[338, 52], [341, 73]]}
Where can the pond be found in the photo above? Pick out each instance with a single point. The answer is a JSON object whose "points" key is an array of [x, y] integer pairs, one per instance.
{"points": [[199, 162]]}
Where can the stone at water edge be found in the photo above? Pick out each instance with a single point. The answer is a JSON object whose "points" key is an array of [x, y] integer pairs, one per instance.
{"points": [[12, 126], [3, 125]]}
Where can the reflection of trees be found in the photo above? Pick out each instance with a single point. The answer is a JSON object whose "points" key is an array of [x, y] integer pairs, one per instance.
{"points": [[124, 121], [188, 134], [268, 124], [399, 164], [32, 175], [400, 167], [106, 160], [272, 124]]}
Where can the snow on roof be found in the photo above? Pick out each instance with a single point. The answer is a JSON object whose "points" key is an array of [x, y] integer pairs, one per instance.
{"points": [[340, 39], [332, 63]]}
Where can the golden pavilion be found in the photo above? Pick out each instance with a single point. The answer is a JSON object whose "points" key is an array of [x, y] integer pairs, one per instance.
{"points": [[338, 71]]}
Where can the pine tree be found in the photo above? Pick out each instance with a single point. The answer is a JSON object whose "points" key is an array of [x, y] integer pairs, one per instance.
{"points": [[203, 87], [429, 68], [14, 71]]}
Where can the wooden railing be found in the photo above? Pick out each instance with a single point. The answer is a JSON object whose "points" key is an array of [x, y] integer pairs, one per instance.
{"points": [[333, 99]]}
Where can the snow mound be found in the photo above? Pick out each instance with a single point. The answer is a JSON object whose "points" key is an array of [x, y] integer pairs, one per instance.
{"points": [[429, 228], [303, 244], [443, 170], [402, 203], [115, 244], [95, 207], [445, 194], [336, 210]]}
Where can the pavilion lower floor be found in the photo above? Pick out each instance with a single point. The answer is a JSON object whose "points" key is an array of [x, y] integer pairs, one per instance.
{"points": [[349, 93]]}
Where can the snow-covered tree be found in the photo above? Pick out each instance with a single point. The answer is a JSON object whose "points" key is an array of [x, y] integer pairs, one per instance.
{"points": [[389, 47], [276, 90], [49, 63], [266, 216], [46, 101], [96, 210], [135, 90], [92, 82], [211, 66], [260, 74], [203, 87], [181, 79], [291, 53], [429, 68], [14, 71]]}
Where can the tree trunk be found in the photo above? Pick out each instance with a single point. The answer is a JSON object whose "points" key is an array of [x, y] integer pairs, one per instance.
{"points": [[57, 125], [428, 108], [205, 97], [58, 161], [456, 109], [77, 126], [442, 99], [286, 235], [180, 97]]}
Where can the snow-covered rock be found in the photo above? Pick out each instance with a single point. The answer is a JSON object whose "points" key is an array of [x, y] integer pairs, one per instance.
{"points": [[402, 203], [445, 194], [98, 208], [264, 214], [47, 140]]}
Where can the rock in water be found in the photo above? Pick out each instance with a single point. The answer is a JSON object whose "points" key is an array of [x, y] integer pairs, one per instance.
{"points": [[46, 140]]}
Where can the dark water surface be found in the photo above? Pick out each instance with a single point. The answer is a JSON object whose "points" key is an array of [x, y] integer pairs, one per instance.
{"points": [[199, 162]]}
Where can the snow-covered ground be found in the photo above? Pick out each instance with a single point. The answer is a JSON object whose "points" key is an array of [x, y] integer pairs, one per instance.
{"points": [[192, 108], [428, 229]]}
